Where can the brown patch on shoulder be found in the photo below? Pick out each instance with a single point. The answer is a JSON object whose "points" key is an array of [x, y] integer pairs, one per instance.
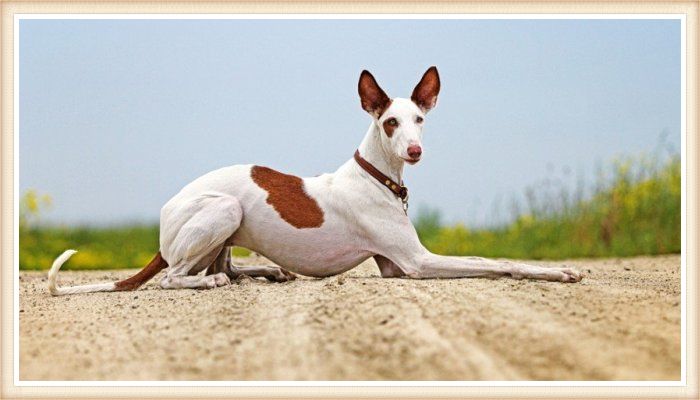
{"points": [[388, 128], [285, 193]]}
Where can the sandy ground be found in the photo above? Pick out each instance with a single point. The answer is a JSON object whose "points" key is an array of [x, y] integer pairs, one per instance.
{"points": [[621, 323]]}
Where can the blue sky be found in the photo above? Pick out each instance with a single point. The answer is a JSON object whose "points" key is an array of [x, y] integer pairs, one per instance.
{"points": [[117, 115]]}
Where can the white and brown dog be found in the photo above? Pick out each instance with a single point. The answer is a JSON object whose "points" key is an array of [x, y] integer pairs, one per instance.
{"points": [[318, 226]]}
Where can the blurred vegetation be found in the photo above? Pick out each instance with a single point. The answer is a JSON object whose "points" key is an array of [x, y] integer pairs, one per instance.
{"points": [[98, 248], [116, 247], [633, 208], [128, 246]]}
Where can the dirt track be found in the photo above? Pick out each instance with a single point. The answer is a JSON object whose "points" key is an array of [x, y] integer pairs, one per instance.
{"points": [[621, 323]]}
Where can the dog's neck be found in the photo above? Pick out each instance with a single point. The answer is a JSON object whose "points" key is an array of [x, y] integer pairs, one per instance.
{"points": [[372, 150]]}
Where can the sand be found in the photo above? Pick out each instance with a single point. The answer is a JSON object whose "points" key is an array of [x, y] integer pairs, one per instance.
{"points": [[622, 322]]}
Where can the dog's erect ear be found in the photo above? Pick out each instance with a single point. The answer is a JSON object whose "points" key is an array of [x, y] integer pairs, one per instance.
{"points": [[372, 97], [426, 92]]}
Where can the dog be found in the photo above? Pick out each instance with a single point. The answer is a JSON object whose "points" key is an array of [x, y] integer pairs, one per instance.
{"points": [[317, 227]]}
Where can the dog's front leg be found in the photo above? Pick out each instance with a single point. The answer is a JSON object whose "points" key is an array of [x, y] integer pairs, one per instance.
{"points": [[388, 268], [436, 266], [400, 253]]}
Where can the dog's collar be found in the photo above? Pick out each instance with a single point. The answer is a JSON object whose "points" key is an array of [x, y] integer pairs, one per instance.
{"points": [[399, 190]]}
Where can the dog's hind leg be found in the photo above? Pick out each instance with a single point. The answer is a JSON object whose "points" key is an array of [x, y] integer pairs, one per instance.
{"points": [[206, 222], [271, 273], [223, 264]]}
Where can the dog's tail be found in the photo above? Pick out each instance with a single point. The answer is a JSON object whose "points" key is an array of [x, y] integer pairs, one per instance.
{"points": [[156, 265]]}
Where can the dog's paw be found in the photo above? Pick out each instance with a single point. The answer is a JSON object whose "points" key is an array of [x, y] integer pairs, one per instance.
{"points": [[280, 275], [555, 274], [569, 275], [221, 279], [216, 280]]}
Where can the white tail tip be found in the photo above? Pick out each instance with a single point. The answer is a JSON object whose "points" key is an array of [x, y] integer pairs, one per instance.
{"points": [[58, 291]]}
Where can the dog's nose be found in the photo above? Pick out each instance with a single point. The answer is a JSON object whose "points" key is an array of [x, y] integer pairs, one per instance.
{"points": [[414, 151]]}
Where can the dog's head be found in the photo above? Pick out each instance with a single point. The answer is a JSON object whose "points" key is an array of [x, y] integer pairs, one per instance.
{"points": [[400, 121]]}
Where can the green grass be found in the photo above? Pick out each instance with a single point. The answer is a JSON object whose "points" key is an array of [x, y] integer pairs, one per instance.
{"points": [[634, 210], [98, 248], [126, 246]]}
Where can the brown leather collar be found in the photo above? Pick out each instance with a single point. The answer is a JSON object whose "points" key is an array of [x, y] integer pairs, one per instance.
{"points": [[399, 190]]}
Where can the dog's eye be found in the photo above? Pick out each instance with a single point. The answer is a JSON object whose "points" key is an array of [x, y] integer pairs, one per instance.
{"points": [[419, 119], [392, 122]]}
